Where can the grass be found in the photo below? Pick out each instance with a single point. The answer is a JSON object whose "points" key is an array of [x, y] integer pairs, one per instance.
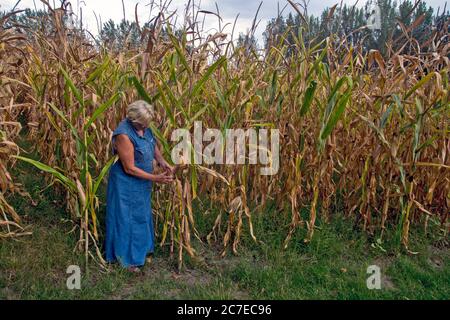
{"points": [[332, 266]]}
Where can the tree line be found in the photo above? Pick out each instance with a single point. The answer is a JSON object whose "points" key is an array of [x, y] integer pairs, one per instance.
{"points": [[374, 25], [378, 24]]}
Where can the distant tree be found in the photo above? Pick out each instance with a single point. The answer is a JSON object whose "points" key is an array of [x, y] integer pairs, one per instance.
{"points": [[354, 23], [247, 41], [118, 36], [29, 21], [274, 30]]}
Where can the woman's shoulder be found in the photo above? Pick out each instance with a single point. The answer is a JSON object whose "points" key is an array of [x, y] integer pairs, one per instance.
{"points": [[122, 128]]}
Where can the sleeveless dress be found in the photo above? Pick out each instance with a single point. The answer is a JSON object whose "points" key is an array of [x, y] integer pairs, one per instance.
{"points": [[129, 220]]}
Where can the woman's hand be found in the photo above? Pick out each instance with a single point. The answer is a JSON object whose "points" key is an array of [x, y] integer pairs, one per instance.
{"points": [[162, 178], [163, 163], [167, 167]]}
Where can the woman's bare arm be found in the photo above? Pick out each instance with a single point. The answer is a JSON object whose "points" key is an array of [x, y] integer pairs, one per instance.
{"points": [[125, 150]]}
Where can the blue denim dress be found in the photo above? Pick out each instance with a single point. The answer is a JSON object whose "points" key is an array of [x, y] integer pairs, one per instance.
{"points": [[129, 220]]}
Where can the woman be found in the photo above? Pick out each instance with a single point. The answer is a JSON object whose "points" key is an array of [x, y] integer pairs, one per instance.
{"points": [[129, 223]]}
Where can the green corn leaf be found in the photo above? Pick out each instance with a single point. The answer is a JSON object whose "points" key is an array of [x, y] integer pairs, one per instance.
{"points": [[386, 116], [219, 94], [58, 175], [180, 54], [72, 87], [335, 115], [198, 86], [52, 121], [417, 130], [141, 90], [166, 105], [103, 173], [419, 84], [173, 99], [273, 87], [198, 114], [63, 117], [308, 99], [333, 94], [101, 110], [93, 158], [317, 62], [98, 71], [160, 138], [427, 143]]}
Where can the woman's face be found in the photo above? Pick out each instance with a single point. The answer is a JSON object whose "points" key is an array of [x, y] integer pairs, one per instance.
{"points": [[139, 126]]}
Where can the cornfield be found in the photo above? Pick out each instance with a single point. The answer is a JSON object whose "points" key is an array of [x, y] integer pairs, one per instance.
{"points": [[9, 130], [362, 135]]}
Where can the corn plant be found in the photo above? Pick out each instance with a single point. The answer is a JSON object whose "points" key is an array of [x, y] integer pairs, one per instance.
{"points": [[81, 186], [362, 136]]}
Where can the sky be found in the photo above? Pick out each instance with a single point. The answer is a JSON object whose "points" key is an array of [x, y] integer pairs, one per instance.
{"points": [[112, 9]]}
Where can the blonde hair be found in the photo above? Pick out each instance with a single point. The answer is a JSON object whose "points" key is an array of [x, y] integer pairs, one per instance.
{"points": [[140, 112]]}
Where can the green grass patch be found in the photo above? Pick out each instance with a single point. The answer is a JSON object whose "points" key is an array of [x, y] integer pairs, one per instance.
{"points": [[332, 266]]}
